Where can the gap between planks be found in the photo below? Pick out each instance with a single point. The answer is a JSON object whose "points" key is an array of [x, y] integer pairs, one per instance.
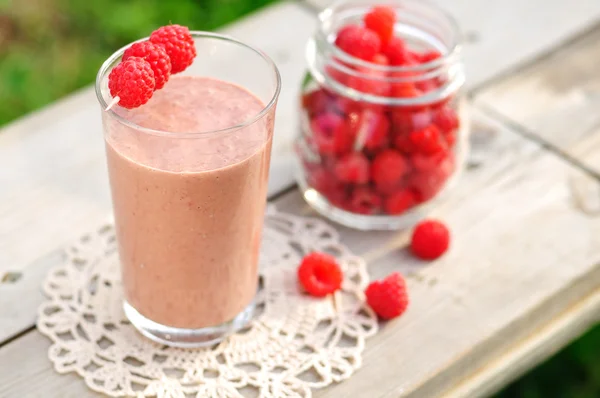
{"points": [[532, 136], [528, 63]]}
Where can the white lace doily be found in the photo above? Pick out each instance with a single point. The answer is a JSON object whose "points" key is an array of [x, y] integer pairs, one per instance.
{"points": [[296, 344]]}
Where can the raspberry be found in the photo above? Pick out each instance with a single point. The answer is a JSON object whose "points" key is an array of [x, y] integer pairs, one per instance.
{"points": [[319, 178], [317, 102], [406, 121], [396, 52], [320, 274], [420, 119], [446, 119], [428, 56], [399, 201], [405, 90], [430, 239], [345, 105], [365, 201], [335, 74], [370, 128], [450, 138], [157, 58], [358, 41], [389, 297], [353, 168], [431, 174], [443, 160], [387, 169], [381, 20], [178, 43], [323, 129], [427, 184], [408, 90], [330, 134], [426, 86], [381, 59], [428, 141], [325, 183], [132, 81], [403, 143], [337, 196], [371, 82], [402, 123]]}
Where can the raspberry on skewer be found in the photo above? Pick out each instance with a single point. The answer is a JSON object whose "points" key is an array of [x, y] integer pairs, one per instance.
{"points": [[178, 43], [147, 65], [131, 83], [157, 58]]}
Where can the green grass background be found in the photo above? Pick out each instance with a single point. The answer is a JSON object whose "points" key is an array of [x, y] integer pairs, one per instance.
{"points": [[49, 48]]}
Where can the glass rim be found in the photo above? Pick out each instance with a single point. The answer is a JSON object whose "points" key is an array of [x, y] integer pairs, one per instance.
{"points": [[106, 67]]}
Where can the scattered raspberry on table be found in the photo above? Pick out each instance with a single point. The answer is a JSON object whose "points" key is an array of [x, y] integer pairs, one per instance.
{"points": [[430, 239], [388, 297], [320, 274]]}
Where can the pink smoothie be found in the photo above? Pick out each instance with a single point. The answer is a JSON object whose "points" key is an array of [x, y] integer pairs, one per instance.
{"points": [[189, 207]]}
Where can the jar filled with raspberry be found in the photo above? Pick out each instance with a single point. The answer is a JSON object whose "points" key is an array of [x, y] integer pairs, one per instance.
{"points": [[383, 131]]}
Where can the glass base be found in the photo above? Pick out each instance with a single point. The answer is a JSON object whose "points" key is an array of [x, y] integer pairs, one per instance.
{"points": [[321, 205], [371, 222], [358, 221], [187, 338]]}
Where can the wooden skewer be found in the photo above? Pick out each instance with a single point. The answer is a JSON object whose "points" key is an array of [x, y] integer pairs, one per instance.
{"points": [[112, 103]]}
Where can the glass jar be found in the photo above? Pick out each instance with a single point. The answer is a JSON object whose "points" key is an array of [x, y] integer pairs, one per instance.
{"points": [[379, 144]]}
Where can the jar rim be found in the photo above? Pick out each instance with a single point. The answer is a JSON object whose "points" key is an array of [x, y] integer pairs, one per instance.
{"points": [[453, 51], [450, 58]]}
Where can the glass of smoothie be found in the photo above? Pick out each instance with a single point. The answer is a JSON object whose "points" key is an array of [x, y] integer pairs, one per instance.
{"points": [[188, 173]]}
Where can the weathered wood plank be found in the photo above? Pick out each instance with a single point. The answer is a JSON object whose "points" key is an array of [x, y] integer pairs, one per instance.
{"points": [[501, 34], [19, 300], [556, 99], [531, 351], [53, 182], [507, 276], [20, 367]]}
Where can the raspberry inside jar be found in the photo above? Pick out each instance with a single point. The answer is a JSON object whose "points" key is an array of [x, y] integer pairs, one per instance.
{"points": [[383, 132]]}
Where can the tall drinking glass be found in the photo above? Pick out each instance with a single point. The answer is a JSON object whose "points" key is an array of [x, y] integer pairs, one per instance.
{"points": [[188, 174]]}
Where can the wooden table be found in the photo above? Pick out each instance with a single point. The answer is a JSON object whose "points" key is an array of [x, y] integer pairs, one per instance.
{"points": [[522, 278]]}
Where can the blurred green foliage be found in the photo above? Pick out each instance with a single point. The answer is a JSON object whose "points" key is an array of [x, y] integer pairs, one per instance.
{"points": [[572, 373], [48, 48]]}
